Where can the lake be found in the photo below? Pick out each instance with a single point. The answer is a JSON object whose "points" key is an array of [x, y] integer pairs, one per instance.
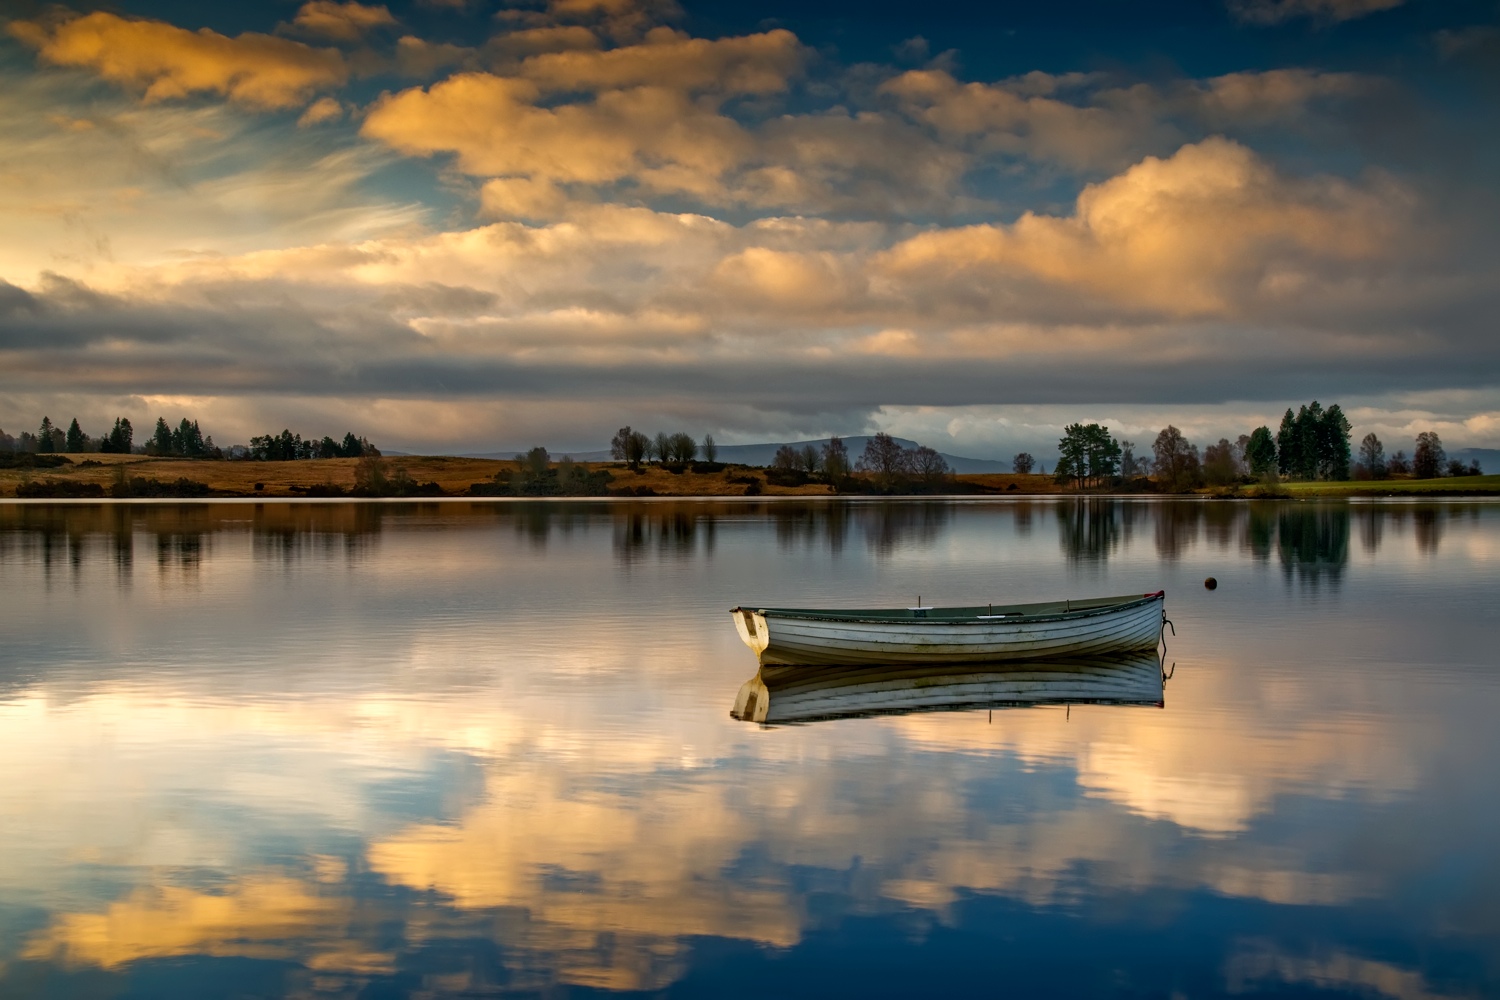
{"points": [[485, 749]]}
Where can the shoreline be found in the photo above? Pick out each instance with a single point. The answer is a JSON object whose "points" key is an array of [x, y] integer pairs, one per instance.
{"points": [[448, 478]]}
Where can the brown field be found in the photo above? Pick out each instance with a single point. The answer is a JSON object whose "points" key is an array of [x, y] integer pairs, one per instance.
{"points": [[454, 475]]}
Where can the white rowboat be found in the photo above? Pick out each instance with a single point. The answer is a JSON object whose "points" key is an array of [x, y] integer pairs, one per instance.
{"points": [[778, 694], [984, 634]]}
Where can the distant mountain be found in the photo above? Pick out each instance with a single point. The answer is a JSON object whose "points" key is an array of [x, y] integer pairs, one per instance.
{"points": [[763, 454]]}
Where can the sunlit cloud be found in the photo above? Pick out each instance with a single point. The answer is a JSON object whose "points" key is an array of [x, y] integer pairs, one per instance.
{"points": [[164, 61], [343, 22]]}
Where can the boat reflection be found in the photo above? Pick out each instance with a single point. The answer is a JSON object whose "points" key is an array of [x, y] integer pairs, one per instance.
{"points": [[781, 693]]}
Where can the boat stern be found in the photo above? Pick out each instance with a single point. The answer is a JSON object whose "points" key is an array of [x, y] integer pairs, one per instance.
{"points": [[751, 625]]}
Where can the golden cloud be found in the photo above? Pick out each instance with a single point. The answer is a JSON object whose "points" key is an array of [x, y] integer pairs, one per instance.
{"points": [[343, 22], [750, 64], [324, 109], [1186, 235], [654, 135], [169, 62], [1021, 119]]}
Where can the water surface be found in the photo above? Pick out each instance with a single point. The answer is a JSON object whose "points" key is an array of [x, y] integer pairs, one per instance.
{"points": [[455, 749]]}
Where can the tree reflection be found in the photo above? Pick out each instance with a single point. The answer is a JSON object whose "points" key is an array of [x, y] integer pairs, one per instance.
{"points": [[1371, 523], [290, 532], [893, 524], [1088, 528], [1427, 525], [667, 530], [1313, 541], [1176, 528], [812, 524], [1260, 529]]}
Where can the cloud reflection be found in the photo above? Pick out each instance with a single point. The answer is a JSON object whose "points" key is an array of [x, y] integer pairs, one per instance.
{"points": [[495, 731]]}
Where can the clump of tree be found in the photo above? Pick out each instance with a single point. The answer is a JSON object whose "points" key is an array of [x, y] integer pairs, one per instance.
{"points": [[1429, 458], [890, 467], [1176, 461], [1088, 456], [183, 441], [631, 447], [49, 440], [1313, 443], [535, 475], [794, 466], [1222, 464], [289, 447], [119, 440]]}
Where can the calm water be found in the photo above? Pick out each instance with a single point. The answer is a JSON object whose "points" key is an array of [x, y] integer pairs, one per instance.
{"points": [[438, 750]]}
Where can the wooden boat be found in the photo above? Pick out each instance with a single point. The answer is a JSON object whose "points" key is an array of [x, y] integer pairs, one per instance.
{"points": [[778, 694], [984, 634]]}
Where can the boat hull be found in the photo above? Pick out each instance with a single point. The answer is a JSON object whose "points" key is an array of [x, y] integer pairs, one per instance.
{"points": [[790, 637]]}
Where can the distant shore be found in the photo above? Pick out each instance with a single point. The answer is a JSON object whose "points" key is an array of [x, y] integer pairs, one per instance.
{"points": [[453, 477]]}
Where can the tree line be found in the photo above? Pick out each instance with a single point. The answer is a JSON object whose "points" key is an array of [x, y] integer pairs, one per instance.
{"points": [[186, 440], [1311, 444], [289, 447], [634, 447], [50, 439]]}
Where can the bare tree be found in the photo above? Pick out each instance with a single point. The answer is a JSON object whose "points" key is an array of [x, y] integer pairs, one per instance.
{"points": [[1023, 463], [682, 448], [1372, 456], [710, 449], [884, 459], [811, 459], [787, 459], [928, 466], [835, 460]]}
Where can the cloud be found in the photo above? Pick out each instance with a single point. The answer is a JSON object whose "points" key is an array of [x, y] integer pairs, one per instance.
{"points": [[341, 22], [146, 184], [750, 64], [324, 109], [167, 62], [1196, 234], [415, 57], [655, 136], [1088, 124], [1276, 11], [1010, 120]]}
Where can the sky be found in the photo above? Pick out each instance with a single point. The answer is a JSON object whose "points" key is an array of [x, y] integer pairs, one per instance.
{"points": [[468, 225]]}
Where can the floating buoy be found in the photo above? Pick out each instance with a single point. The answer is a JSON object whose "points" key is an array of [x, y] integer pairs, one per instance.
{"points": [[1211, 584]]}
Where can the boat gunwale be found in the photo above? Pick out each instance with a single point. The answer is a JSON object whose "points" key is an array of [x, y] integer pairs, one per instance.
{"points": [[891, 616]]}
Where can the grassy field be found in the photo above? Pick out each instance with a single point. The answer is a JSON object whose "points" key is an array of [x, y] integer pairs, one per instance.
{"points": [[1455, 485]]}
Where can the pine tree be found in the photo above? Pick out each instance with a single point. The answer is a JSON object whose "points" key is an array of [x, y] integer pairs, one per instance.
{"points": [[1260, 451]]}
